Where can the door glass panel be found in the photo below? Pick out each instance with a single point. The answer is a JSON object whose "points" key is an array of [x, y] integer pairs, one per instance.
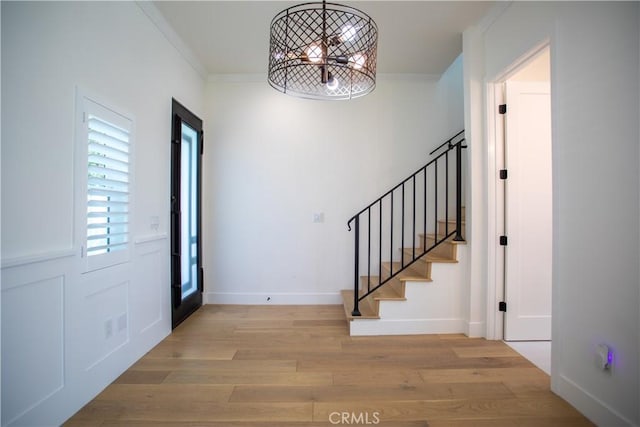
{"points": [[189, 220], [186, 250]]}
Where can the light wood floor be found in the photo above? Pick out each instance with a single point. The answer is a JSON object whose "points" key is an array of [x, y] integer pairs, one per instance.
{"points": [[289, 366]]}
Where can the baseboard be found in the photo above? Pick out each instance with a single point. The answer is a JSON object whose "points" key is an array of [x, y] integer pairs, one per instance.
{"points": [[590, 406], [275, 298], [475, 329], [365, 327]]}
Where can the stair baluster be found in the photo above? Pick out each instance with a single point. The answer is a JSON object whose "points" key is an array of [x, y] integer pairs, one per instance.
{"points": [[455, 143]]}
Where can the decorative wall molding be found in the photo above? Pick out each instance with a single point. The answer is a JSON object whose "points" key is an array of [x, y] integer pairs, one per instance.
{"points": [[172, 37], [114, 295], [38, 258], [42, 320], [140, 240], [149, 278]]}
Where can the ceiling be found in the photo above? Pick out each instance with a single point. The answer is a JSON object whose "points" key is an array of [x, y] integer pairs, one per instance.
{"points": [[232, 37]]}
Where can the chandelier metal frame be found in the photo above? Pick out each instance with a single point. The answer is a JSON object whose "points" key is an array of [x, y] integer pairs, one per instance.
{"points": [[323, 50]]}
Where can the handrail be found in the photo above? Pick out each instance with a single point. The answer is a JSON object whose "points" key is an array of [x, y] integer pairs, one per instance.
{"points": [[447, 142], [412, 175], [429, 208]]}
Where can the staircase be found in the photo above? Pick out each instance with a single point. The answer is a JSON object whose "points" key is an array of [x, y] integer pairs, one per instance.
{"points": [[407, 246]]}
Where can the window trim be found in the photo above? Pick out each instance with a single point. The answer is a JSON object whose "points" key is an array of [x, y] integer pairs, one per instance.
{"points": [[86, 105]]}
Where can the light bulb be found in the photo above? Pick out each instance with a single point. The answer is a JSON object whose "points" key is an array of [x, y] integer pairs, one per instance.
{"points": [[333, 83], [357, 61], [314, 52], [347, 33]]}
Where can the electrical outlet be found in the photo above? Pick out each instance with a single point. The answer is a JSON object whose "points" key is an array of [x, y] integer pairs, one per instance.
{"points": [[318, 217], [108, 328], [122, 322], [154, 222], [605, 357]]}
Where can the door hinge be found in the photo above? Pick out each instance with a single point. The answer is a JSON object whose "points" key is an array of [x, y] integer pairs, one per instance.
{"points": [[503, 240], [502, 306], [502, 108], [503, 174]]}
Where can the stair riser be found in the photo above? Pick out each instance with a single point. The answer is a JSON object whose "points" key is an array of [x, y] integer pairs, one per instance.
{"points": [[452, 227], [394, 284], [445, 250], [428, 308]]}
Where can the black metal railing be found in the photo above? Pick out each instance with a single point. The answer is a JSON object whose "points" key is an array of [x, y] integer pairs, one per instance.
{"points": [[426, 187]]}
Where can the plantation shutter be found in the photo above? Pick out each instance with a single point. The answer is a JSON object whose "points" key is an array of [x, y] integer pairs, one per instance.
{"points": [[107, 187], [104, 191]]}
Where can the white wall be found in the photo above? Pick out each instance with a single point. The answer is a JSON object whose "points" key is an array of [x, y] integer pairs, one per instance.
{"points": [[451, 100], [595, 107], [55, 356], [272, 161]]}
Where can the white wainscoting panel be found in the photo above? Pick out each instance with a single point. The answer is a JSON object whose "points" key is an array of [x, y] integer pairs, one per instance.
{"points": [[150, 288], [66, 335], [109, 331], [32, 343]]}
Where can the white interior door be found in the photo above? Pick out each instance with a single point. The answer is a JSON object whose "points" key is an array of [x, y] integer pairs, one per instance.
{"points": [[528, 214]]}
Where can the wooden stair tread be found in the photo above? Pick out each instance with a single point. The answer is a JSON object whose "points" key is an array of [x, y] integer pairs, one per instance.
{"points": [[366, 310], [452, 221], [448, 241], [415, 278], [419, 271], [410, 273], [387, 293], [429, 257]]}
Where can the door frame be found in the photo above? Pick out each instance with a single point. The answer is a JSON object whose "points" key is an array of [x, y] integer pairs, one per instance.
{"points": [[180, 311], [494, 96]]}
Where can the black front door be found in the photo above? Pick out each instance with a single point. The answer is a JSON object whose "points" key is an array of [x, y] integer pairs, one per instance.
{"points": [[186, 226]]}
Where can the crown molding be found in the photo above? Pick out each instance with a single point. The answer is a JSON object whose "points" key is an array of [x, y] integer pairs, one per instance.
{"points": [[154, 15]]}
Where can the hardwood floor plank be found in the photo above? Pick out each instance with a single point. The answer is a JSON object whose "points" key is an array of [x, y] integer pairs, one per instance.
{"points": [[201, 393], [416, 363], [296, 366], [182, 412], [485, 351], [479, 375], [172, 364], [250, 378], [312, 352], [193, 349], [368, 392], [267, 340], [132, 376], [468, 409], [371, 376]]}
